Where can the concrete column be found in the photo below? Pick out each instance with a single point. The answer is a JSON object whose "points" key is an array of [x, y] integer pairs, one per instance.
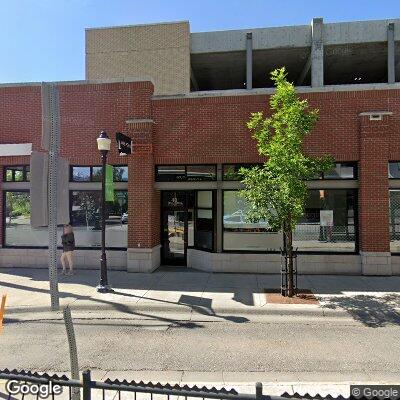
{"points": [[317, 52], [249, 60], [391, 54], [374, 194]]}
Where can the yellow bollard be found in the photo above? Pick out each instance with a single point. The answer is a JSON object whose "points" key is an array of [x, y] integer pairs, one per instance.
{"points": [[2, 308]]}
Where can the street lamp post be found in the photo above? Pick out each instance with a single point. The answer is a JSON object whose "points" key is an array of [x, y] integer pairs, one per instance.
{"points": [[103, 145]]}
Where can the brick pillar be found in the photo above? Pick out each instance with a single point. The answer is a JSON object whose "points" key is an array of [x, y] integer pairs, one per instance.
{"points": [[2, 217], [374, 194], [143, 201]]}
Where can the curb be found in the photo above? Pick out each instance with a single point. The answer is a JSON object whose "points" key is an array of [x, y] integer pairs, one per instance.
{"points": [[179, 313]]}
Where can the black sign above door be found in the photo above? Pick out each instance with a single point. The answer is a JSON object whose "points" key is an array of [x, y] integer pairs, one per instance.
{"points": [[125, 145]]}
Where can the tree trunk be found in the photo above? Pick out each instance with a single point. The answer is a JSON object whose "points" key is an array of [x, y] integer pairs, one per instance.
{"points": [[289, 252]]}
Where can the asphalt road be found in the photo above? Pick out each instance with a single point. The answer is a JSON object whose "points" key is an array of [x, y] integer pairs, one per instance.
{"points": [[276, 345]]}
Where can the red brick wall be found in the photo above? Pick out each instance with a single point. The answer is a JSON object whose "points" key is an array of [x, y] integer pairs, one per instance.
{"points": [[201, 130], [373, 190]]}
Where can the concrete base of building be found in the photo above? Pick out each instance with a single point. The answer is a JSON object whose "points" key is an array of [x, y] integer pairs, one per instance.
{"points": [[346, 264], [143, 260], [376, 263], [83, 259]]}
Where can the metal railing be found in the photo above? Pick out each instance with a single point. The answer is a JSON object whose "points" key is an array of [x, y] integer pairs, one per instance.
{"points": [[89, 388]]}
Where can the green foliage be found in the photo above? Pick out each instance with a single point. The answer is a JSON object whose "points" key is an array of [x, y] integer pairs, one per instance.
{"points": [[18, 204], [277, 191]]}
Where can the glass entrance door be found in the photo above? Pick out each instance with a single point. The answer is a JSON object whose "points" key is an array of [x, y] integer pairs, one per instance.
{"points": [[177, 226]]}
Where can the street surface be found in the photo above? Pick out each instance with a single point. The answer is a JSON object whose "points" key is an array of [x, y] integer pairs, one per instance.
{"points": [[182, 326], [334, 350]]}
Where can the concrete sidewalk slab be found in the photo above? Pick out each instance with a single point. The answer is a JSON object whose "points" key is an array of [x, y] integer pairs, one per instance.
{"points": [[193, 295]]}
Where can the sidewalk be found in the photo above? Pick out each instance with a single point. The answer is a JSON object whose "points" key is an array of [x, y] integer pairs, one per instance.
{"points": [[189, 295]]}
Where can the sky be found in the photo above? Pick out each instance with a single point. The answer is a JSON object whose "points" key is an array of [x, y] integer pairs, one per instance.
{"points": [[44, 40]]}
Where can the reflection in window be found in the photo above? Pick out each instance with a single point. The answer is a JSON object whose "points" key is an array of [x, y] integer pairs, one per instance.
{"points": [[394, 222], [81, 174], [240, 234], [86, 218], [230, 172], [201, 172], [341, 171], [95, 173], [329, 223], [394, 170], [17, 221], [17, 173], [178, 173], [120, 173]]}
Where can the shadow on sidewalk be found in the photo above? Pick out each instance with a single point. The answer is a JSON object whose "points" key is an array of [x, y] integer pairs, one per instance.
{"points": [[371, 311]]}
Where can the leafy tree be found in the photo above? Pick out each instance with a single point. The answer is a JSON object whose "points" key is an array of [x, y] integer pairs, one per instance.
{"points": [[277, 190]]}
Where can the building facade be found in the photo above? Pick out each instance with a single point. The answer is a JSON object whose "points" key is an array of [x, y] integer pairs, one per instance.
{"points": [[184, 99]]}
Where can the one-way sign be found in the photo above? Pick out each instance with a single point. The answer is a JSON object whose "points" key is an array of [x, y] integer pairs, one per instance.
{"points": [[124, 144]]}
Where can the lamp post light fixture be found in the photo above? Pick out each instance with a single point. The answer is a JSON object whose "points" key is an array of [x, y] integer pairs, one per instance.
{"points": [[103, 145]]}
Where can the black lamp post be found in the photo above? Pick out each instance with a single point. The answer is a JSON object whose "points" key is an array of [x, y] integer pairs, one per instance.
{"points": [[103, 145]]}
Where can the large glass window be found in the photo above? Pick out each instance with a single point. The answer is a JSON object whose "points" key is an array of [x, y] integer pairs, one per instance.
{"points": [[204, 223], [86, 218], [18, 173], [94, 174], [329, 223], [394, 222], [17, 222], [240, 234], [178, 173]]}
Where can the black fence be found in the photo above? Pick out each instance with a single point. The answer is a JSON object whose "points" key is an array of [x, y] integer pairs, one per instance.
{"points": [[87, 389]]}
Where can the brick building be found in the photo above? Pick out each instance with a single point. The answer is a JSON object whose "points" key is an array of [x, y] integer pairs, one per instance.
{"points": [[184, 99]]}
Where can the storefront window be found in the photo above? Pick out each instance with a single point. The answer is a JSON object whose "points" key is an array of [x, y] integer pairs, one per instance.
{"points": [[86, 219], [240, 234], [329, 222], [204, 224], [394, 222], [17, 222]]}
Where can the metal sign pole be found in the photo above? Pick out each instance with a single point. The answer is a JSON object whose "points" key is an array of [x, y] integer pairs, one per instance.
{"points": [[73, 351], [51, 130]]}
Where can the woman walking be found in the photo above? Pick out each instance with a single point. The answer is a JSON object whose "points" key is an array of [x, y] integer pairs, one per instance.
{"points": [[68, 243]]}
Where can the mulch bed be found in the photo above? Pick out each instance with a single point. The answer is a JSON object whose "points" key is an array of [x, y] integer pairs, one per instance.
{"points": [[304, 296]]}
